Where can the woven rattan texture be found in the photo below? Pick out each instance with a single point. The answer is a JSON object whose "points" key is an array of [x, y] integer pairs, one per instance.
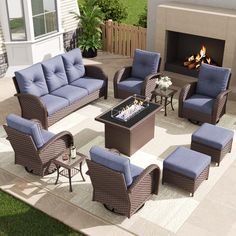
{"points": [[184, 182]]}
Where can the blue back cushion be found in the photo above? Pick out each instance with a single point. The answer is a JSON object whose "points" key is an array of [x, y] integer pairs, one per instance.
{"points": [[144, 63], [212, 80], [28, 127], [73, 64], [112, 161], [32, 81], [54, 72]]}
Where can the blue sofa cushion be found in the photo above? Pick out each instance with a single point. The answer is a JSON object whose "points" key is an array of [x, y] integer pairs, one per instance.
{"points": [[199, 103], [144, 63], [212, 136], [54, 103], [212, 80], [70, 93], [73, 64], [54, 72], [133, 85], [187, 162], [32, 81], [112, 161], [32, 128], [89, 83]]}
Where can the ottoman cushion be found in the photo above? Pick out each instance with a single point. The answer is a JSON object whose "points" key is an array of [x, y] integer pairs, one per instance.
{"points": [[187, 162], [212, 136]]}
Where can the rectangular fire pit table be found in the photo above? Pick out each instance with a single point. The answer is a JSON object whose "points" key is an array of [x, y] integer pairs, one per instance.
{"points": [[129, 136]]}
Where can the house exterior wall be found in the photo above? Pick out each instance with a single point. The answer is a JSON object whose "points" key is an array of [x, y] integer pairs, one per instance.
{"points": [[3, 55], [69, 23], [152, 13]]}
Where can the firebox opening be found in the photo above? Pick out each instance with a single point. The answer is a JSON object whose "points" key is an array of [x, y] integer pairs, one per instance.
{"points": [[183, 47]]}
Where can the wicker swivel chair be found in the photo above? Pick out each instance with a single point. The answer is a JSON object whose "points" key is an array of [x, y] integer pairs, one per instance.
{"points": [[35, 147], [119, 185], [139, 78], [205, 100]]}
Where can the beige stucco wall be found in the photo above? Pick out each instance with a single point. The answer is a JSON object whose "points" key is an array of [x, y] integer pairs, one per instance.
{"points": [[153, 18]]}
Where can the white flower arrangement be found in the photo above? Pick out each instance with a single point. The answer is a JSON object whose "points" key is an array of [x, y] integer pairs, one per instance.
{"points": [[164, 82]]}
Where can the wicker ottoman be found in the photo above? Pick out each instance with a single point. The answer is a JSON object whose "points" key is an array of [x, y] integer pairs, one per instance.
{"points": [[213, 141], [186, 169]]}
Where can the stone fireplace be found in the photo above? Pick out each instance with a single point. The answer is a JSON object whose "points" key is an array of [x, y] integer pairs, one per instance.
{"points": [[182, 30], [184, 53]]}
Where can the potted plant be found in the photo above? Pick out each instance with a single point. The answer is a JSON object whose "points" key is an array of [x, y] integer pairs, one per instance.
{"points": [[90, 19]]}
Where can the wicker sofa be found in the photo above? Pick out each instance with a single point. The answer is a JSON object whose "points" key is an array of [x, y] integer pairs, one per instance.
{"points": [[50, 90]]}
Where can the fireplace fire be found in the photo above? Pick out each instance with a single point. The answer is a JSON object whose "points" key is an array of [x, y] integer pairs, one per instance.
{"points": [[195, 61]]}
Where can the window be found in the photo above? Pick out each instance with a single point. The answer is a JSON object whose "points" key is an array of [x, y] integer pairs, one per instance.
{"points": [[44, 17], [16, 20]]}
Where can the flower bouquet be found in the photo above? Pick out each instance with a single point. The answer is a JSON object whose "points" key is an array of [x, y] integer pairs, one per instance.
{"points": [[164, 82]]}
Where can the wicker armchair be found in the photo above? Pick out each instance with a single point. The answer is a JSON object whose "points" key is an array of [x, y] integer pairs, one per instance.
{"points": [[34, 147], [119, 185], [139, 78], [205, 100]]}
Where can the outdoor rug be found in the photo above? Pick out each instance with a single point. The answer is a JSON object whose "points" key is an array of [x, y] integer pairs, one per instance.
{"points": [[169, 209]]}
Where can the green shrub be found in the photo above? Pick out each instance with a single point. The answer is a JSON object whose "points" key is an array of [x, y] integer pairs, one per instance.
{"points": [[113, 9], [142, 21]]}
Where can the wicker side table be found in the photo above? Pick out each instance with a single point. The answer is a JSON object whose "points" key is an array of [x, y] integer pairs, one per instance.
{"points": [[167, 94], [69, 167]]}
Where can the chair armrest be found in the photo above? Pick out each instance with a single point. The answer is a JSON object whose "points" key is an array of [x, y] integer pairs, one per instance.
{"points": [[187, 91], [95, 72], [142, 179], [57, 145], [149, 84], [66, 135], [122, 74], [33, 108], [219, 104]]}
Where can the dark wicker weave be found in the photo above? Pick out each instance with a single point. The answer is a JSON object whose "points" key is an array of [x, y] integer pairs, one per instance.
{"points": [[148, 86], [38, 161], [184, 182], [109, 188], [219, 107], [216, 154], [33, 108]]}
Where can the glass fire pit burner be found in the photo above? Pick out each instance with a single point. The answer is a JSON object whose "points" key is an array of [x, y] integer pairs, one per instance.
{"points": [[132, 107]]}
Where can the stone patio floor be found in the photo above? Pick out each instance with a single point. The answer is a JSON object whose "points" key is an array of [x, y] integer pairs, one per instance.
{"points": [[215, 215]]}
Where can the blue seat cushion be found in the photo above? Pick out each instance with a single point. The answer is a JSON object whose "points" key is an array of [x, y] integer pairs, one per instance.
{"points": [[199, 103], [112, 161], [89, 83], [135, 171], [70, 93], [144, 63], [32, 81], [212, 136], [212, 80], [133, 85], [47, 135], [54, 103], [187, 162], [73, 63], [54, 72], [39, 136]]}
